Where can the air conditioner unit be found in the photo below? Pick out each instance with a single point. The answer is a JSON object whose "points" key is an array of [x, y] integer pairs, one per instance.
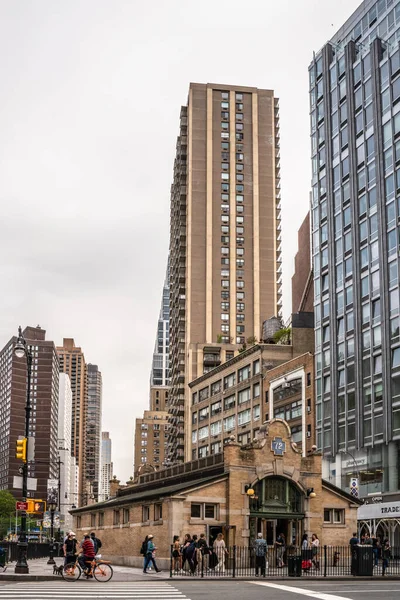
{"points": [[286, 384], [308, 434]]}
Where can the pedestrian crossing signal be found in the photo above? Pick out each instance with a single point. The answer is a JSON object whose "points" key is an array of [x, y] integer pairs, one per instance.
{"points": [[20, 449], [36, 506]]}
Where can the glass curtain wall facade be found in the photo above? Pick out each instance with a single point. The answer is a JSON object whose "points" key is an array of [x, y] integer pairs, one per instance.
{"points": [[355, 142], [160, 369]]}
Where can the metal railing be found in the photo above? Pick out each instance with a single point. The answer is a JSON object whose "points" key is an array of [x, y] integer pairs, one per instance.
{"points": [[35, 550], [324, 561]]}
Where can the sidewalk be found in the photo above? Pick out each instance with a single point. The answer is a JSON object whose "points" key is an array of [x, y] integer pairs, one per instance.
{"points": [[39, 570]]}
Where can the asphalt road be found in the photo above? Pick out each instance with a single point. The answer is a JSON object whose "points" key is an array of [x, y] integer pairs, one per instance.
{"points": [[200, 590]]}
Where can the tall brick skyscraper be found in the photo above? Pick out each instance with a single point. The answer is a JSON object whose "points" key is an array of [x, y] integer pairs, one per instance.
{"points": [[225, 235], [72, 362], [43, 423]]}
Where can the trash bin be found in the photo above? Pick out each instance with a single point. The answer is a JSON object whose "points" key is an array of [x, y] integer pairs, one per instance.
{"points": [[294, 566], [364, 556], [3, 557]]}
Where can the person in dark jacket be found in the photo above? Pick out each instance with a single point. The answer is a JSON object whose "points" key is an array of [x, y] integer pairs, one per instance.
{"points": [[69, 548], [191, 554], [185, 546], [96, 542]]}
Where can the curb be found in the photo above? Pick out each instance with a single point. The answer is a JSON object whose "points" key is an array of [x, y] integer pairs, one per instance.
{"points": [[16, 577]]}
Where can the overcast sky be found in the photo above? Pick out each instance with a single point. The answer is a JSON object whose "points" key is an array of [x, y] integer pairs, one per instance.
{"points": [[90, 94]]}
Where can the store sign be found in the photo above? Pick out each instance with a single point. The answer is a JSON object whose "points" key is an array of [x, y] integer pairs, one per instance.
{"points": [[358, 462], [383, 510], [373, 500]]}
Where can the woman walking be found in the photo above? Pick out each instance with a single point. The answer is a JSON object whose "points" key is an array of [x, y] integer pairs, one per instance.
{"points": [[176, 554], [220, 550], [150, 555], [315, 550]]}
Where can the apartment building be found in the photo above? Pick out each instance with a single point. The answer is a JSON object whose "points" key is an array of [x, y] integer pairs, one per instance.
{"points": [[225, 246], [263, 382], [43, 423], [151, 433], [106, 465], [72, 362]]}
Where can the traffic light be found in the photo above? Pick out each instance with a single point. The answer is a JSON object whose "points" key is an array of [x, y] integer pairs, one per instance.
{"points": [[20, 449], [36, 506]]}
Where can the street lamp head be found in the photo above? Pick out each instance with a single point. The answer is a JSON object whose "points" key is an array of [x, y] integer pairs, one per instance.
{"points": [[19, 350], [52, 506]]}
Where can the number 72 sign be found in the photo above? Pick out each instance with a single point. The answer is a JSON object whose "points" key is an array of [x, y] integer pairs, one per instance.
{"points": [[278, 446]]}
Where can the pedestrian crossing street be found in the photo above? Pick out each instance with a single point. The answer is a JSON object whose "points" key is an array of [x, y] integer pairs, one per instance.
{"points": [[137, 590]]}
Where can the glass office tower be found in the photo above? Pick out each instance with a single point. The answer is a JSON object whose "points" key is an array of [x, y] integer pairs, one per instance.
{"points": [[355, 141]]}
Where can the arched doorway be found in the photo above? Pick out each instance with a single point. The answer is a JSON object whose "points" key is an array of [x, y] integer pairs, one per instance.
{"points": [[277, 507]]}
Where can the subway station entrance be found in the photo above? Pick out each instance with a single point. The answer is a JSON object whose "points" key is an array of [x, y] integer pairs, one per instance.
{"points": [[277, 507]]}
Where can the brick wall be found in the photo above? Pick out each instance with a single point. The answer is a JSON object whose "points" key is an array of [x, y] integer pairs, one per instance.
{"points": [[122, 537]]}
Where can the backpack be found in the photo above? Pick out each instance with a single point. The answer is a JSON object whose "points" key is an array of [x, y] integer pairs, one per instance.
{"points": [[143, 548], [96, 543]]}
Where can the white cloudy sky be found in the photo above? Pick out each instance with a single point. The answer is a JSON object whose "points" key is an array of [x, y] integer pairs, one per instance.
{"points": [[90, 94]]}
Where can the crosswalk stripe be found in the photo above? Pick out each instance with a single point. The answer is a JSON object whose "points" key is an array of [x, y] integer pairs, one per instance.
{"points": [[86, 590]]}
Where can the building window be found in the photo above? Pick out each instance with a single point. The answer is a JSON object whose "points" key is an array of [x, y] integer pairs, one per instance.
{"points": [[244, 396], [157, 512], [256, 390], [216, 408], [203, 451], [100, 522], [93, 521], [229, 423], [215, 387], [204, 511], [125, 516], [145, 513], [229, 402], [216, 428], [203, 394], [334, 515], [244, 417], [229, 381], [203, 432], [78, 522], [244, 373], [116, 517], [203, 414]]}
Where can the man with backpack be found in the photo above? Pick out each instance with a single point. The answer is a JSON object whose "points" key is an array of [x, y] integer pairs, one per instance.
{"points": [[96, 542]]}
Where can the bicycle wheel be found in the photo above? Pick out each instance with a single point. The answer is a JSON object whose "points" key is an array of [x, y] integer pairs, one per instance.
{"points": [[103, 572], [71, 572]]}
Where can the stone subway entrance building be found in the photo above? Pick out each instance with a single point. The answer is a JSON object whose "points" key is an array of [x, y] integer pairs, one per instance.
{"points": [[214, 495]]}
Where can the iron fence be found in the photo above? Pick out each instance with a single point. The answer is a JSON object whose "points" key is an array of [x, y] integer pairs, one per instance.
{"points": [[35, 550], [325, 561]]}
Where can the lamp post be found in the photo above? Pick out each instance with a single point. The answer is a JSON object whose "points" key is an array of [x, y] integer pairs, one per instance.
{"points": [[21, 350], [52, 508]]}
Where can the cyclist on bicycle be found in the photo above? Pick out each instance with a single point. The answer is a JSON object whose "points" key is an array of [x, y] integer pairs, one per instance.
{"points": [[87, 552]]}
